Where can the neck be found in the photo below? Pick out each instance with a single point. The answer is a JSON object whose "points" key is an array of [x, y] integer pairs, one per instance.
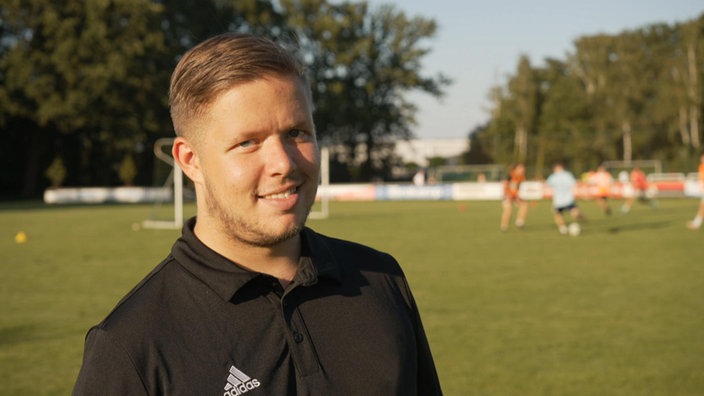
{"points": [[279, 261]]}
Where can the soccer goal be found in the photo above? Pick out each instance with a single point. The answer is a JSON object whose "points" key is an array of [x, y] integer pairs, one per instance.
{"points": [[174, 182], [468, 173], [647, 166]]}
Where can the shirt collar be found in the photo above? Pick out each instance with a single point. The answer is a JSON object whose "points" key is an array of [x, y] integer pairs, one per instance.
{"points": [[226, 278]]}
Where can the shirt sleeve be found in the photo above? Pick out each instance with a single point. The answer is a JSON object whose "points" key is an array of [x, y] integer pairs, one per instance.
{"points": [[107, 370], [428, 381]]}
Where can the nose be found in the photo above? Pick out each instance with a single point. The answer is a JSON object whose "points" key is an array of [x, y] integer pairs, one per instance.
{"points": [[279, 157]]}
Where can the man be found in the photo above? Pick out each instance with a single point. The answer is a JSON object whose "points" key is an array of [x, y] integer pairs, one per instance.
{"points": [[562, 183], [696, 223], [639, 185], [602, 181], [250, 301], [512, 186]]}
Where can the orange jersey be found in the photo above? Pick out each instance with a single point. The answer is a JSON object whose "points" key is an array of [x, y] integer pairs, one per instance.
{"points": [[701, 173], [513, 184], [638, 180], [602, 180]]}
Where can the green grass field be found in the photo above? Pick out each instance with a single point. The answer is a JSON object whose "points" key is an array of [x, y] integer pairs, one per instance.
{"points": [[618, 310]]}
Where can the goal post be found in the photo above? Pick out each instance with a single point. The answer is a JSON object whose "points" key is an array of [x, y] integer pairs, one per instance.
{"points": [[176, 176], [322, 209]]}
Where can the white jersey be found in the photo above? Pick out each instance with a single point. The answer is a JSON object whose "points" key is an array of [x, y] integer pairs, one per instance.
{"points": [[562, 184]]}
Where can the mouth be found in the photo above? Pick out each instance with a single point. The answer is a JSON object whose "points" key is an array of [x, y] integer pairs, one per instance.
{"points": [[279, 195]]}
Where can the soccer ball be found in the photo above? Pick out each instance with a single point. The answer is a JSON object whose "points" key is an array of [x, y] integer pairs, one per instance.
{"points": [[574, 229], [21, 237]]}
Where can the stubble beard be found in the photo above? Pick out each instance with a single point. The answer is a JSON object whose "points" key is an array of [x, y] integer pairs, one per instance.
{"points": [[253, 233]]}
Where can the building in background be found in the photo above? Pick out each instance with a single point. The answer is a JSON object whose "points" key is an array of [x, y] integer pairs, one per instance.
{"points": [[420, 151]]}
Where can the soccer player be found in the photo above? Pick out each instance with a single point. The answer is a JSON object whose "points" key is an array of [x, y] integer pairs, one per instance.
{"points": [[602, 180], [563, 183], [640, 190], [696, 223], [250, 300], [512, 185]]}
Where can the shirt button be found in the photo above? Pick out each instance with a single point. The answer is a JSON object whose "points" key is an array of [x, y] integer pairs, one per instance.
{"points": [[298, 337]]}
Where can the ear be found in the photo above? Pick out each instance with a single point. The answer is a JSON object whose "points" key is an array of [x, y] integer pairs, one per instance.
{"points": [[186, 157]]}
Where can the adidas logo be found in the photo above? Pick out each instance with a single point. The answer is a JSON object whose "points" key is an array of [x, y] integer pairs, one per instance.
{"points": [[239, 383]]}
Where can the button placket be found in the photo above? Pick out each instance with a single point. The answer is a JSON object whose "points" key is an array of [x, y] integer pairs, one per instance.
{"points": [[302, 350], [290, 315]]}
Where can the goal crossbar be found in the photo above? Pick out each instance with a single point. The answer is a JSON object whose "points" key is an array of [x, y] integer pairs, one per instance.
{"points": [[656, 165]]}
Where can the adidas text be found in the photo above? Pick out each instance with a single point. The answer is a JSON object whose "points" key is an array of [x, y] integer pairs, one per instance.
{"points": [[239, 383], [242, 388]]}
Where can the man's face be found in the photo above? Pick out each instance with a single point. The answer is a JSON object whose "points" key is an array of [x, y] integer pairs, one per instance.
{"points": [[259, 162]]}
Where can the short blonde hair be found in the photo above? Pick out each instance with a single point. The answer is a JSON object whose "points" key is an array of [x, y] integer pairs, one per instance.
{"points": [[216, 65]]}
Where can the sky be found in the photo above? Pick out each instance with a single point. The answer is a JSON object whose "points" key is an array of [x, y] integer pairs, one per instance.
{"points": [[478, 44]]}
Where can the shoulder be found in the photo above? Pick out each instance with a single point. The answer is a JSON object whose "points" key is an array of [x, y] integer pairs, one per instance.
{"points": [[107, 368], [145, 300], [122, 342], [348, 254], [338, 245], [373, 275]]}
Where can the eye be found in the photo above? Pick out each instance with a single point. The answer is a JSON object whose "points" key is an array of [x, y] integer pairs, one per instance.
{"points": [[294, 133], [299, 135], [246, 145]]}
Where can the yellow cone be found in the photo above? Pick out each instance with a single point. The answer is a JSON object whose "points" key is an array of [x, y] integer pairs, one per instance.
{"points": [[21, 237]]}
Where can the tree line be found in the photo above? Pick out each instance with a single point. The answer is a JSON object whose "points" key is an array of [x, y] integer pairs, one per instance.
{"points": [[636, 95], [83, 83], [83, 89]]}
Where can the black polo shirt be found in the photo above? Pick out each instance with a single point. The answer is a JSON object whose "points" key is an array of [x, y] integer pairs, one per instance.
{"points": [[198, 324]]}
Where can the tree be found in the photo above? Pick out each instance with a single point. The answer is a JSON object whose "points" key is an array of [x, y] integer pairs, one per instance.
{"points": [[523, 106], [127, 170], [694, 48], [88, 80], [500, 133], [56, 172], [590, 63], [477, 154], [66, 71], [633, 95], [564, 117], [363, 63]]}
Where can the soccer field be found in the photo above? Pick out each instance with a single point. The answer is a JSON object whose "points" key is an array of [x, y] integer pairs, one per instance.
{"points": [[618, 310]]}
